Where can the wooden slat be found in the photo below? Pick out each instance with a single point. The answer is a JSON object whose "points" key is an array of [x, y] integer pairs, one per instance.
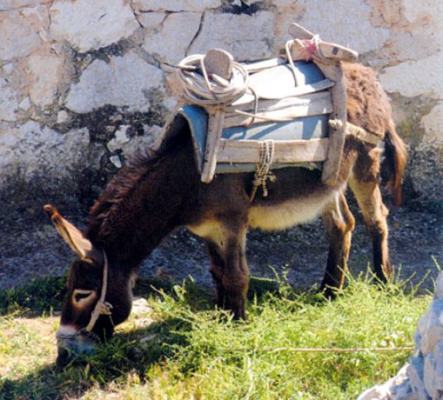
{"points": [[321, 106], [293, 151], [215, 129], [337, 136], [299, 32], [275, 104]]}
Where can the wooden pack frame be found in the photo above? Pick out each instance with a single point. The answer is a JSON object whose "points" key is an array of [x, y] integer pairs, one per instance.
{"points": [[278, 107]]}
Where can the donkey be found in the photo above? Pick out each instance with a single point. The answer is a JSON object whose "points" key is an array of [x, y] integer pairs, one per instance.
{"points": [[161, 190]]}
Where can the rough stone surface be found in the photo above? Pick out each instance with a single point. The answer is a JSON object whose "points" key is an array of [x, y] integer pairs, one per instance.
{"points": [[7, 5], [124, 81], [8, 101], [47, 70], [170, 42], [415, 78], [432, 123], [247, 37], [89, 25], [35, 150], [151, 20], [19, 37], [175, 5], [353, 29], [422, 377]]}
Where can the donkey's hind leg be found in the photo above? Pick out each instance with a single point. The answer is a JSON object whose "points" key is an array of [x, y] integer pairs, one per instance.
{"points": [[339, 223], [216, 270], [369, 199]]}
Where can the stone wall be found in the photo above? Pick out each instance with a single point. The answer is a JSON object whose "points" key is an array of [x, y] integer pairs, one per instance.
{"points": [[83, 83]]}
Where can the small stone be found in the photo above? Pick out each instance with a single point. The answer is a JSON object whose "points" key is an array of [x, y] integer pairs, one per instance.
{"points": [[8, 68], [25, 104], [115, 160], [89, 25], [62, 117], [121, 134], [120, 139], [148, 338], [140, 306]]}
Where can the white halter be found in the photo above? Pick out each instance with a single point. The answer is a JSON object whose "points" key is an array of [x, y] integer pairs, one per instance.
{"points": [[102, 307]]}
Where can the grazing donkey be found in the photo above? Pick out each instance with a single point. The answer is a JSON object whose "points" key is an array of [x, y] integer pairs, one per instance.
{"points": [[160, 191]]}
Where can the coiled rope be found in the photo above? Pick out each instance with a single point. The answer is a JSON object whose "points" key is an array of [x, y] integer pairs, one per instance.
{"points": [[199, 89]]}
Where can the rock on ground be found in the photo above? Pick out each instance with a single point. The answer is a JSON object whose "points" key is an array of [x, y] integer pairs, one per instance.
{"points": [[422, 377]]}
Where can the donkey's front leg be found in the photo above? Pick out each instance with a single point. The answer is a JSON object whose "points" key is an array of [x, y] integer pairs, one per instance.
{"points": [[235, 280], [217, 268], [229, 269]]}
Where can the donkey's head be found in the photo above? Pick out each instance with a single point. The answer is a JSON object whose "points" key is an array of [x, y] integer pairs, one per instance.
{"points": [[98, 297]]}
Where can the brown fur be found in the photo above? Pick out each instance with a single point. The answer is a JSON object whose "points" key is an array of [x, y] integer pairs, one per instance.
{"points": [[156, 193]]}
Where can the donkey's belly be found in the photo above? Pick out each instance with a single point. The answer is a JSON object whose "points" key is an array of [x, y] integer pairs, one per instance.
{"points": [[289, 213]]}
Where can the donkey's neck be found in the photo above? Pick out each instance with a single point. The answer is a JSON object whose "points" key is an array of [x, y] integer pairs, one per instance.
{"points": [[141, 205]]}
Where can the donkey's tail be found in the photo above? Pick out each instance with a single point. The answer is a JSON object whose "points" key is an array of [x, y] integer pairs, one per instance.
{"points": [[394, 163]]}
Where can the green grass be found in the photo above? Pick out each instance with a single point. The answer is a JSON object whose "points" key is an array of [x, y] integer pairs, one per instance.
{"points": [[183, 348]]}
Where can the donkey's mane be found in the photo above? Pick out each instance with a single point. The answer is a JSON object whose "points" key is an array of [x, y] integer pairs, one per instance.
{"points": [[122, 185]]}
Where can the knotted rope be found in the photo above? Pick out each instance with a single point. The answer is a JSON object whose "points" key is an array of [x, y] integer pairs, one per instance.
{"points": [[262, 173]]}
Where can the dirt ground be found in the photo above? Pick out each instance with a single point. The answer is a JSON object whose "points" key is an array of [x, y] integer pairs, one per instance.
{"points": [[30, 247]]}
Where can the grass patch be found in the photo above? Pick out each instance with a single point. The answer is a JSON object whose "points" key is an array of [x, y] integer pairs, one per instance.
{"points": [[183, 348], [39, 296]]}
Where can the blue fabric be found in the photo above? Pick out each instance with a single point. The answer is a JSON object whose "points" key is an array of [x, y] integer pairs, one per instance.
{"points": [[310, 71], [197, 119]]}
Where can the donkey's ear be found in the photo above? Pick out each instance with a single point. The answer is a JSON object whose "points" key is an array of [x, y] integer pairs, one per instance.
{"points": [[73, 237]]}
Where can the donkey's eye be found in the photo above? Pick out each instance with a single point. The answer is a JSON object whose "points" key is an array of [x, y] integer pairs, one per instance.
{"points": [[82, 296]]}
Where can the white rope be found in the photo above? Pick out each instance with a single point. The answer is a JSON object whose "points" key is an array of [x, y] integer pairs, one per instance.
{"points": [[102, 307], [262, 173], [200, 89]]}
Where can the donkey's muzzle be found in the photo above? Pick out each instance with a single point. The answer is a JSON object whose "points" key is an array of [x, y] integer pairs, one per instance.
{"points": [[71, 348]]}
